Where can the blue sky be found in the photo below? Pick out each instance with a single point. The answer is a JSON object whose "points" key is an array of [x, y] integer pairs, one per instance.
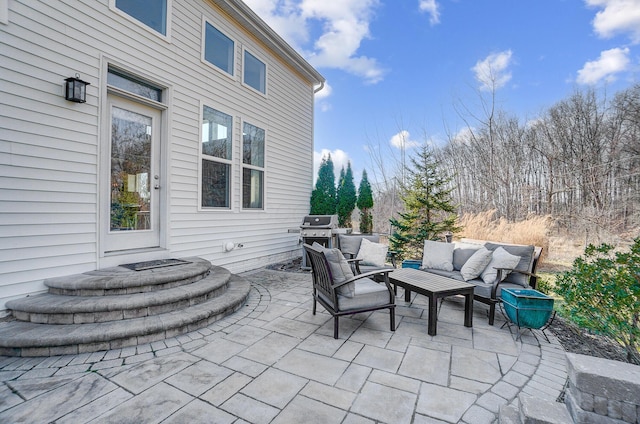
{"points": [[399, 69]]}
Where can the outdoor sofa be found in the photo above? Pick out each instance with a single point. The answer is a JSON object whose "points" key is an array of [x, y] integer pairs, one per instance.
{"points": [[489, 266]]}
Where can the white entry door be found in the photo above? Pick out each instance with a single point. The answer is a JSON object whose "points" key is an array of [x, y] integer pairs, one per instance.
{"points": [[132, 206]]}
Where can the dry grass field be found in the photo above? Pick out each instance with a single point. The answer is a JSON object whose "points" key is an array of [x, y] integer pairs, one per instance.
{"points": [[559, 251], [560, 247]]}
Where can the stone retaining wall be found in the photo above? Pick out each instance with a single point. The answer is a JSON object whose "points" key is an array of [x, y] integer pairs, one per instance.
{"points": [[602, 391]]}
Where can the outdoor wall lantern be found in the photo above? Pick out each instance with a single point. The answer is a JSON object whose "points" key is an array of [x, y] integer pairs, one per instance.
{"points": [[76, 89]]}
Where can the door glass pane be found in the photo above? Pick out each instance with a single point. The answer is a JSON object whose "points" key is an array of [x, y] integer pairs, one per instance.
{"points": [[130, 170]]}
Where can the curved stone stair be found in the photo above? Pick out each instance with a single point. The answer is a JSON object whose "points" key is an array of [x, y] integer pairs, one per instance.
{"points": [[117, 307]]}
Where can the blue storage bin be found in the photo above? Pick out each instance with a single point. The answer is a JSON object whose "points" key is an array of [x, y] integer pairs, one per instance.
{"points": [[527, 308], [412, 263]]}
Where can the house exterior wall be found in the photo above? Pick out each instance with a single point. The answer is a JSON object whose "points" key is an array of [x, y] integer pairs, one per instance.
{"points": [[51, 150]]}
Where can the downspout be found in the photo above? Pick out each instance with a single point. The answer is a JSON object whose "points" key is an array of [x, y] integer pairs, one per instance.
{"points": [[319, 88]]}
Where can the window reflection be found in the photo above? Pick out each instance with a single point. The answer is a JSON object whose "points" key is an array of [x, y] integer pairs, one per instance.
{"points": [[253, 141], [130, 170], [217, 144]]}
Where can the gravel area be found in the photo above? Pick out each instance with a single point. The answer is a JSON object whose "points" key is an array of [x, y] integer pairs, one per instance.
{"points": [[578, 340]]}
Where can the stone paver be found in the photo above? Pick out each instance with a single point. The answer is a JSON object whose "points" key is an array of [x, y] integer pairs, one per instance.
{"points": [[273, 361]]}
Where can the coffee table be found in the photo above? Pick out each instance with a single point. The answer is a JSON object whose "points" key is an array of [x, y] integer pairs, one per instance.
{"points": [[434, 287]]}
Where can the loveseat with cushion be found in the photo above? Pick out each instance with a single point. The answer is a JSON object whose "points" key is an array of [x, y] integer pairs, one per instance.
{"points": [[365, 252], [490, 266]]}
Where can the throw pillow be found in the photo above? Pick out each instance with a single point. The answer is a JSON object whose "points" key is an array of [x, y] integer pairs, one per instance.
{"points": [[437, 255], [476, 264], [340, 270], [373, 254], [462, 252], [526, 254], [499, 259]]}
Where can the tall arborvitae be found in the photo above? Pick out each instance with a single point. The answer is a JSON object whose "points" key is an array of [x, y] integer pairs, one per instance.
{"points": [[346, 197], [323, 197], [429, 211], [365, 203]]}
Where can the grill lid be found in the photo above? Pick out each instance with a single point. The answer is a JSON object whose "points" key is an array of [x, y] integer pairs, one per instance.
{"points": [[320, 221]]}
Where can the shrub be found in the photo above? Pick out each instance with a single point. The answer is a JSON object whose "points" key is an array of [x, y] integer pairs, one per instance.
{"points": [[602, 293]]}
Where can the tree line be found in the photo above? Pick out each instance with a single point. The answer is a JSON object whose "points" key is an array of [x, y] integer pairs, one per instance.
{"points": [[579, 162]]}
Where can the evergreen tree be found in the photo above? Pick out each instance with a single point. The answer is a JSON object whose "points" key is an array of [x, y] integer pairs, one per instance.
{"points": [[323, 197], [428, 208], [365, 203], [346, 197], [339, 190]]}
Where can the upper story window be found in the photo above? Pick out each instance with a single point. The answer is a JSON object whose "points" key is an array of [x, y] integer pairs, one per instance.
{"points": [[218, 49], [253, 141], [217, 144], [255, 72], [152, 13]]}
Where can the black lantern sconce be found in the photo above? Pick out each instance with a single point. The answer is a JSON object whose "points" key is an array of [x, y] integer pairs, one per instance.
{"points": [[76, 89]]}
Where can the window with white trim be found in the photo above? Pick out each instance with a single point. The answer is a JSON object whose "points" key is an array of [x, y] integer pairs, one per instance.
{"points": [[253, 147], [217, 145], [218, 48], [152, 13], [254, 72]]}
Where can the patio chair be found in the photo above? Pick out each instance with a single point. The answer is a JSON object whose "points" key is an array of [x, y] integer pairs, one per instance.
{"points": [[341, 293]]}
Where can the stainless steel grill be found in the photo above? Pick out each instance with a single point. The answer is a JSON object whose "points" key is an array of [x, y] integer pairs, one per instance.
{"points": [[322, 229]]}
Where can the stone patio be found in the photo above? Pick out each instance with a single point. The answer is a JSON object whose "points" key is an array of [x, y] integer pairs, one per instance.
{"points": [[275, 362]]}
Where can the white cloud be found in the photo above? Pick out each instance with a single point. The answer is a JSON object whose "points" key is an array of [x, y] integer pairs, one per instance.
{"points": [[402, 140], [285, 18], [339, 158], [605, 67], [431, 7], [345, 24], [492, 72], [617, 17], [463, 136]]}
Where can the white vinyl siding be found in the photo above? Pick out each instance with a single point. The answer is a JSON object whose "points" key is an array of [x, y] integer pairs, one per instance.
{"points": [[50, 148]]}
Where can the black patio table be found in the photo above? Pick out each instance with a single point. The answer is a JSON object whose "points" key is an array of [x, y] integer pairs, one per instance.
{"points": [[434, 287]]}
